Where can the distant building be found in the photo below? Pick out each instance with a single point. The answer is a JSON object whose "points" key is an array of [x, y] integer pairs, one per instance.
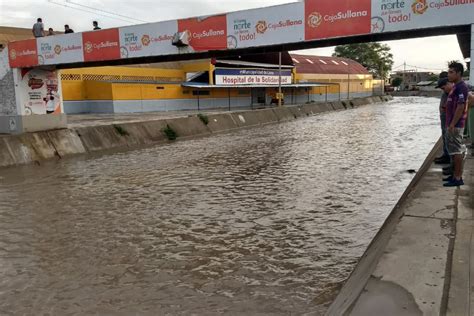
{"points": [[411, 78]]}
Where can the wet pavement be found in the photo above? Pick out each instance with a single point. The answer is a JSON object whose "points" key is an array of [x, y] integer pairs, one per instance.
{"points": [[267, 221]]}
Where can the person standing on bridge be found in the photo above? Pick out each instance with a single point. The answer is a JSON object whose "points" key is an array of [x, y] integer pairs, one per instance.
{"points": [[456, 113], [68, 30], [443, 80], [38, 28], [95, 24]]}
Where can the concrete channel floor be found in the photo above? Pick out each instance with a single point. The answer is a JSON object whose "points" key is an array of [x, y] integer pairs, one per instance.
{"points": [[428, 265]]}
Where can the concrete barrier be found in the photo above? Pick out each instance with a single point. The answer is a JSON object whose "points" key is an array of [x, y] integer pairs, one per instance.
{"points": [[267, 116], [96, 138], [154, 130], [297, 111], [358, 102], [6, 157], [246, 118], [66, 142], [188, 126], [221, 122], [37, 146], [283, 114], [136, 134], [337, 105], [315, 108], [19, 152]]}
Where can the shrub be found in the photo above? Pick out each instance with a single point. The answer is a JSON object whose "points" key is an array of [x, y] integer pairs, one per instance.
{"points": [[170, 133]]}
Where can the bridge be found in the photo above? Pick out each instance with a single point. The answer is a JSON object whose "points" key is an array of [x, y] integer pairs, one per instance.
{"points": [[32, 66]]}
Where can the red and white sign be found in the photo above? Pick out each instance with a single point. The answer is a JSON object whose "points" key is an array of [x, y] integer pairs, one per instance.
{"points": [[274, 25], [38, 87], [205, 33], [101, 45], [60, 49], [148, 39], [397, 15], [329, 18], [23, 54]]}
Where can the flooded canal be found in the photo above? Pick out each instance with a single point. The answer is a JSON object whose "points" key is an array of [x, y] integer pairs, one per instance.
{"points": [[266, 221]]}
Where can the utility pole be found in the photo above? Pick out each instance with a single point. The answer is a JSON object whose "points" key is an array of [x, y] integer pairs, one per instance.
{"points": [[404, 75], [348, 82], [279, 79], [382, 79]]}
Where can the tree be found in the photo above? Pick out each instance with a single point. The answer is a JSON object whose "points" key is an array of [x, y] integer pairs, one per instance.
{"points": [[396, 82], [433, 77], [375, 57]]}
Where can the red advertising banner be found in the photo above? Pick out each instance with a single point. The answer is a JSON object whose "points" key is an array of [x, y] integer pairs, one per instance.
{"points": [[101, 45], [205, 33], [329, 18], [23, 53]]}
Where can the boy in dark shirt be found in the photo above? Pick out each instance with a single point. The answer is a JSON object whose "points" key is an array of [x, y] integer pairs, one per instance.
{"points": [[67, 30], [456, 113], [95, 25]]}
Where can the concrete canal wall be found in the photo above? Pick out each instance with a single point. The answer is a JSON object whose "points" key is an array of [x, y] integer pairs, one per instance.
{"points": [[56, 144]]}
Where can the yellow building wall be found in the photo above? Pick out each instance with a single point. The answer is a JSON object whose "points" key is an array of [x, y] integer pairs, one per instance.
{"points": [[357, 83], [94, 84], [79, 84], [97, 91]]}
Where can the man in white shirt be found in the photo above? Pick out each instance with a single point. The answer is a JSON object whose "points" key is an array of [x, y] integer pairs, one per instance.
{"points": [[38, 28]]}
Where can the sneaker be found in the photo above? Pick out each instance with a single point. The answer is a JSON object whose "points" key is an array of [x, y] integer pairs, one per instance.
{"points": [[454, 183], [449, 179], [442, 160], [447, 172]]}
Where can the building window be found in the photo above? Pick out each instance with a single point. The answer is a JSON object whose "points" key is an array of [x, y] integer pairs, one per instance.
{"points": [[345, 63], [323, 62], [309, 61], [160, 88], [201, 92], [335, 62]]}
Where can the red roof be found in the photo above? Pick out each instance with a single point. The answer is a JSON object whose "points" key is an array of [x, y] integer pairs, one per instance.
{"points": [[309, 64]]}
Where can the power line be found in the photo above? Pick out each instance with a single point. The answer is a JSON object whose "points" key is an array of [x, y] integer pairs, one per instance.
{"points": [[104, 11], [89, 11]]}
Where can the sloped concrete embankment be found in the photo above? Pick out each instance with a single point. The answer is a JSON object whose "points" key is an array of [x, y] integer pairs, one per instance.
{"points": [[41, 146]]}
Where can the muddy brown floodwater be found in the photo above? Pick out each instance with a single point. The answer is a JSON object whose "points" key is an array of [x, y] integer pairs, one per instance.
{"points": [[264, 221]]}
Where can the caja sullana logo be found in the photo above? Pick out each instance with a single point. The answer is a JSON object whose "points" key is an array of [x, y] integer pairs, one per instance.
{"points": [[57, 49], [261, 27], [315, 19], [419, 6], [146, 40], [88, 47], [13, 54]]}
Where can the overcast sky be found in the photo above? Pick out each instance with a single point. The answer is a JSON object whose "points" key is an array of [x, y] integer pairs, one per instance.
{"points": [[430, 53]]}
